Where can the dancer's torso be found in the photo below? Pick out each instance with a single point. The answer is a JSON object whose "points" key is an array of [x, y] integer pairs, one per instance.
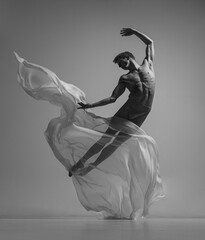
{"points": [[141, 85]]}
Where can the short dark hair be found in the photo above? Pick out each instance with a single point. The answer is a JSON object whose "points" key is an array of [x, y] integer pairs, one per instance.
{"points": [[123, 55]]}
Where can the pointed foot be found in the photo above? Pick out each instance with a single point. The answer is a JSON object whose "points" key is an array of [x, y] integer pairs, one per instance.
{"points": [[77, 166]]}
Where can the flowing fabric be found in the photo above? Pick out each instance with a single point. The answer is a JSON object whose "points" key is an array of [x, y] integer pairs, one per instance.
{"points": [[127, 181]]}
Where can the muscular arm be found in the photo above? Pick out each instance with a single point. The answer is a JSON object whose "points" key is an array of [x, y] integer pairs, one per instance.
{"points": [[148, 41], [118, 91]]}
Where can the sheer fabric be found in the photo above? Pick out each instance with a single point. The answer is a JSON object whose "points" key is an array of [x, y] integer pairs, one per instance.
{"points": [[127, 181]]}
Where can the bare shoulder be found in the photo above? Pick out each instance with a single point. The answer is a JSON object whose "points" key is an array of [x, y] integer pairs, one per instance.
{"points": [[123, 78], [147, 64]]}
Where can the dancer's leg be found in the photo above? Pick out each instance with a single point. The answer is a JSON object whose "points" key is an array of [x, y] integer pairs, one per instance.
{"points": [[107, 151], [97, 147]]}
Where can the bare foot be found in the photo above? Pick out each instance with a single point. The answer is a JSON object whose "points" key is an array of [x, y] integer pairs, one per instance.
{"points": [[77, 166], [86, 170], [80, 171]]}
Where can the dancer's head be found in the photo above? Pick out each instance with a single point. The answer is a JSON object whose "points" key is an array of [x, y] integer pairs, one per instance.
{"points": [[123, 60]]}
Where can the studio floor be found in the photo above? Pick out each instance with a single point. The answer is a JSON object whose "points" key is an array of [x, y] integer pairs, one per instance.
{"points": [[89, 228]]}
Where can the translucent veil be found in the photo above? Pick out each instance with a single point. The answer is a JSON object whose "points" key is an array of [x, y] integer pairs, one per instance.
{"points": [[127, 181]]}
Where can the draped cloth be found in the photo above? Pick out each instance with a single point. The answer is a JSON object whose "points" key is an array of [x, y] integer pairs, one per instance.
{"points": [[127, 182]]}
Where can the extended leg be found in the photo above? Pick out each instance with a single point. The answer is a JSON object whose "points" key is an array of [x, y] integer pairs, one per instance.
{"points": [[107, 151], [96, 148]]}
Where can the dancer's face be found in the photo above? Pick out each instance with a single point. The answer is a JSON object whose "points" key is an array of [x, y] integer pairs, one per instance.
{"points": [[124, 63]]}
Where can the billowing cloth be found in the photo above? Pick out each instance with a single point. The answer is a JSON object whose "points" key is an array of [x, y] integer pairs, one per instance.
{"points": [[127, 181]]}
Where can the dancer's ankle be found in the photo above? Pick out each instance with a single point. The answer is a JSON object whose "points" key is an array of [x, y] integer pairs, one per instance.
{"points": [[80, 164]]}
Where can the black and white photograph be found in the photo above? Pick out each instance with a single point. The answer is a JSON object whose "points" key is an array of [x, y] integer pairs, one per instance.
{"points": [[102, 120]]}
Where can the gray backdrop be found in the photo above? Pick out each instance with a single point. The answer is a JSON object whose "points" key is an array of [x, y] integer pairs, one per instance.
{"points": [[78, 41]]}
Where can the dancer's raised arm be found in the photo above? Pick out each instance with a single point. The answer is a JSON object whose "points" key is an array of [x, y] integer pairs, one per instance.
{"points": [[148, 41]]}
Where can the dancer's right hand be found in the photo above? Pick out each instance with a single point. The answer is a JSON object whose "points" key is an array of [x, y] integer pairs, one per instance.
{"points": [[84, 106]]}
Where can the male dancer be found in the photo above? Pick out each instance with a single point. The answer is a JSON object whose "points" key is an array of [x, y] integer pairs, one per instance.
{"points": [[140, 81]]}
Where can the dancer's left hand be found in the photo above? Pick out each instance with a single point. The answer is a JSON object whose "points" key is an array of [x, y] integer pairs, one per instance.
{"points": [[127, 31]]}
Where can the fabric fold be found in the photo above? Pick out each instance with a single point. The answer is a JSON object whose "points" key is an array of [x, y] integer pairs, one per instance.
{"points": [[127, 181]]}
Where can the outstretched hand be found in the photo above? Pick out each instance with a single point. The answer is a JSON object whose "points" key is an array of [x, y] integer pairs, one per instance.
{"points": [[84, 106], [127, 31]]}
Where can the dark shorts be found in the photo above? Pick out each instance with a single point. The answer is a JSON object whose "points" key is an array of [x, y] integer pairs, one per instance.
{"points": [[133, 112]]}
